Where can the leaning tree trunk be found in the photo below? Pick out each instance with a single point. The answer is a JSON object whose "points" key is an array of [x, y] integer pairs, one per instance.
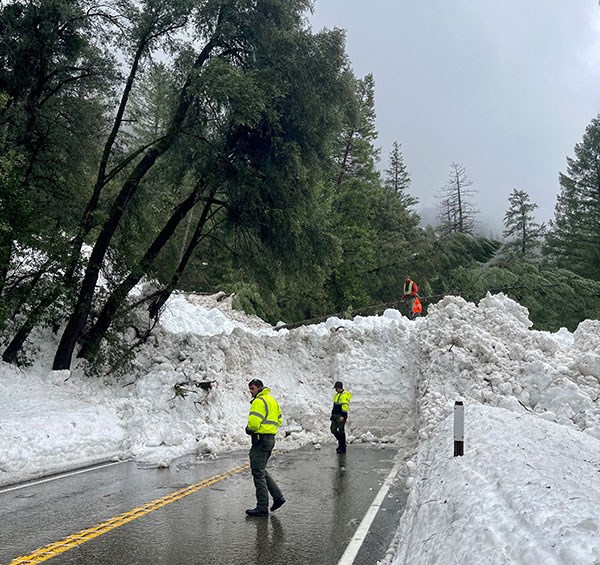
{"points": [[11, 352], [91, 340], [76, 323], [156, 305], [78, 319], [33, 316]]}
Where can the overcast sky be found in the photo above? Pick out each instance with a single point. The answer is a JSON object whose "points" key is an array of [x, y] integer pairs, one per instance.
{"points": [[505, 89]]}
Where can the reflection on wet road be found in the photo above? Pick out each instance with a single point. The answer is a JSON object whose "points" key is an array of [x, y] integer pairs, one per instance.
{"points": [[327, 496]]}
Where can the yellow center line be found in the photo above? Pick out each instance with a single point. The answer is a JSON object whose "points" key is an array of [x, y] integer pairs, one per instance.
{"points": [[56, 548]]}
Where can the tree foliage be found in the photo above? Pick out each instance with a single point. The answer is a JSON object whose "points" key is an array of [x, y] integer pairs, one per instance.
{"points": [[372, 225], [225, 155], [573, 240], [520, 224], [52, 84], [441, 256], [222, 145], [554, 297], [397, 177]]}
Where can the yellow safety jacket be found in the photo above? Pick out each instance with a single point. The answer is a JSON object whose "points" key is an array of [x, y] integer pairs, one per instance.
{"points": [[265, 414], [341, 402]]}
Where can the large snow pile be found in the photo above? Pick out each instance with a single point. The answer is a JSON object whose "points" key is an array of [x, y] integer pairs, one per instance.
{"points": [[525, 491]]}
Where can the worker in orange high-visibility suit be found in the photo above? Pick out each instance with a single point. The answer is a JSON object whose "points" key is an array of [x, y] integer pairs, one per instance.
{"points": [[417, 307], [409, 293]]}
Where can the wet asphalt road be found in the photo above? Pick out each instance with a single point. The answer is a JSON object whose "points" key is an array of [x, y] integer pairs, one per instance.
{"points": [[328, 495]]}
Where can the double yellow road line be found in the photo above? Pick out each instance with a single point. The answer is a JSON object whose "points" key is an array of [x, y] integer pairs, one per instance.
{"points": [[56, 548]]}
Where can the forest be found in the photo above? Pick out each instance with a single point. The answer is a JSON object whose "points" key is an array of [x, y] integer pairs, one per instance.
{"points": [[222, 145]]}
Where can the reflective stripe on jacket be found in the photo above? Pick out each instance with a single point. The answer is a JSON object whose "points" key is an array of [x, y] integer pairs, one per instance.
{"points": [[341, 402], [265, 414], [411, 288]]}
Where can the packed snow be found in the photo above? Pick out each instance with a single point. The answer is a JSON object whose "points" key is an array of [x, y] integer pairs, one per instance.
{"points": [[527, 489]]}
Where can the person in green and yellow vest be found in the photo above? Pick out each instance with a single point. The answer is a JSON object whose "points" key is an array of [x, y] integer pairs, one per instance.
{"points": [[263, 421], [339, 415]]}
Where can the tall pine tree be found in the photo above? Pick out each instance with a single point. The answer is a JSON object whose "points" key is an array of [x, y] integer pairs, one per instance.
{"points": [[397, 177], [520, 224], [375, 231], [574, 237]]}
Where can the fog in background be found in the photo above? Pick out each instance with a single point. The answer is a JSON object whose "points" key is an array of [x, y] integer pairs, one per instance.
{"points": [[504, 89]]}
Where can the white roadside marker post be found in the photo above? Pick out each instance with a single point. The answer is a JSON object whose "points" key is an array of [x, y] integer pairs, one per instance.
{"points": [[459, 428]]}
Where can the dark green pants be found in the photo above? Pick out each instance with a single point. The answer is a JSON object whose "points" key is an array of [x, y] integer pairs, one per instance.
{"points": [[338, 429], [262, 446]]}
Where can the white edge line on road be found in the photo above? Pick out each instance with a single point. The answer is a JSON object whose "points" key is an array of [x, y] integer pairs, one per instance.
{"points": [[61, 476], [363, 528]]}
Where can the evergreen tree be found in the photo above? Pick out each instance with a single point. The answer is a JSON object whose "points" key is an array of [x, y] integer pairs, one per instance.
{"points": [[53, 81], [397, 177], [554, 297], [573, 240], [520, 223], [356, 179], [456, 211], [152, 103], [358, 153], [374, 229], [252, 147], [235, 140], [440, 257]]}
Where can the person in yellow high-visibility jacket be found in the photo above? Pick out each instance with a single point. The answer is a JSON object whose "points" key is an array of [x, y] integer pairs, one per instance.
{"points": [[263, 421], [339, 415]]}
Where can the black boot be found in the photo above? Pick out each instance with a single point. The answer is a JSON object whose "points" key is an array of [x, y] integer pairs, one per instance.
{"points": [[341, 442], [257, 512], [277, 503]]}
